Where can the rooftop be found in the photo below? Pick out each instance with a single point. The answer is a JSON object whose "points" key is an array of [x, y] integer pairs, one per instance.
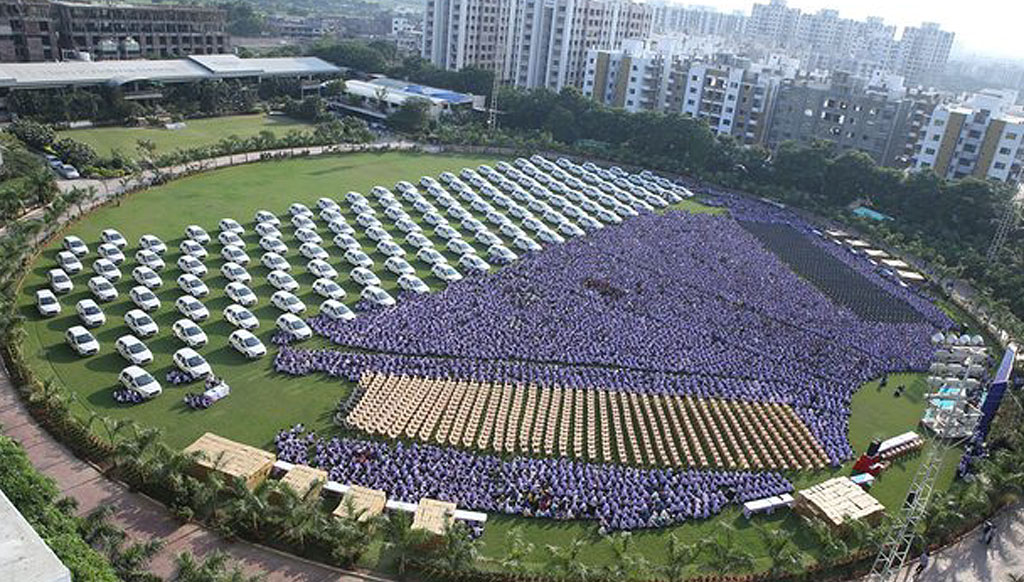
{"points": [[24, 556], [193, 68]]}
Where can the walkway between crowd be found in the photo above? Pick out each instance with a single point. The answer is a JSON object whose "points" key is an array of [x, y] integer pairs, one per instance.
{"points": [[142, 518]]}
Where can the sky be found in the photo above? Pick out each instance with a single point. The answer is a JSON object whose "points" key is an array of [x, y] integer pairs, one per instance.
{"points": [[983, 27]]}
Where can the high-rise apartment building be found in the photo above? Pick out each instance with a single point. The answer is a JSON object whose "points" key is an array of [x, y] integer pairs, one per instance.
{"points": [[698, 21], [874, 116], [537, 43], [40, 30], [922, 52], [774, 23], [980, 137]]}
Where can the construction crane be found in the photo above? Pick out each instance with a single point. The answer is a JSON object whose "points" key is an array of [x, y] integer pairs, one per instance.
{"points": [[1007, 223]]}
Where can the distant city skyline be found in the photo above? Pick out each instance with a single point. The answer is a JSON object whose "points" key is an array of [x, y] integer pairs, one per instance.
{"points": [[986, 27]]}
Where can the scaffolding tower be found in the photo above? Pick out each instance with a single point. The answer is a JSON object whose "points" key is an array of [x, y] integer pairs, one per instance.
{"points": [[1007, 223]]}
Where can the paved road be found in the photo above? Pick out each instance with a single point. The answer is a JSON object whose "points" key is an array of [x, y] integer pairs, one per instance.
{"points": [[142, 518]]}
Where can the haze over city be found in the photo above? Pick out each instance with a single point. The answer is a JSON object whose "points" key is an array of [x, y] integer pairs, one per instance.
{"points": [[977, 31]]}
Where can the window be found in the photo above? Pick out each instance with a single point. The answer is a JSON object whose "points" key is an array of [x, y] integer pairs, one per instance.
{"points": [[999, 166], [939, 122], [929, 151], [1011, 136], [970, 148], [974, 133], [1004, 151]]}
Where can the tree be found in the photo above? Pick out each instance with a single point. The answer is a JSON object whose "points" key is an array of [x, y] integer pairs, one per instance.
{"points": [[334, 88], [831, 546], [785, 556], [723, 554], [678, 560], [459, 550], [402, 542], [517, 550], [74, 152], [215, 568], [412, 117], [627, 564], [564, 561]]}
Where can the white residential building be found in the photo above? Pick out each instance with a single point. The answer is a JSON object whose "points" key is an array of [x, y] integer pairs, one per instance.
{"points": [[980, 137]]}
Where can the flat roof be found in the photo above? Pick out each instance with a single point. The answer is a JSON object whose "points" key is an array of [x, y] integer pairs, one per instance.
{"points": [[24, 556], [192, 68], [399, 92]]}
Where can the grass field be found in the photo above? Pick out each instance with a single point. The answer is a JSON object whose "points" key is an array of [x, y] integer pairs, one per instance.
{"points": [[263, 402], [198, 132]]}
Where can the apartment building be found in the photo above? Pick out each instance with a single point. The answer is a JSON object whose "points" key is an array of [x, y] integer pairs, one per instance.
{"points": [[637, 77], [922, 52], [534, 43], [42, 30], [773, 24], [875, 116], [27, 32], [979, 137], [698, 21], [734, 99]]}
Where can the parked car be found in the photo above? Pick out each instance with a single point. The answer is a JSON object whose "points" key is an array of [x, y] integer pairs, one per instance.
{"points": [[81, 341], [46, 303], [189, 361], [134, 350], [247, 344], [139, 381], [89, 313]]}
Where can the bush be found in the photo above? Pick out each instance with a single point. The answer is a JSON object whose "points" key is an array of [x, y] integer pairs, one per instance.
{"points": [[74, 152], [33, 134]]}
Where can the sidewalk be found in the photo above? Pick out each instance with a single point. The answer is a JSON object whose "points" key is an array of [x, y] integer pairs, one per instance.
{"points": [[143, 518]]}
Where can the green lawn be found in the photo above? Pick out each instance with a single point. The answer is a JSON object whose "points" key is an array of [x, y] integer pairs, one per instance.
{"points": [[198, 132], [263, 402]]}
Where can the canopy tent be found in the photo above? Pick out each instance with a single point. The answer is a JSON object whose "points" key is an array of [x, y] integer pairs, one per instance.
{"points": [[305, 480], [433, 515], [231, 459], [837, 501], [361, 503]]}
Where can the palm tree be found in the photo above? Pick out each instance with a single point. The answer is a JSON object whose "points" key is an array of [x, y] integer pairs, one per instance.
{"points": [[214, 568], [723, 553], [403, 542], [460, 550], [627, 564], [517, 550], [678, 560], [564, 561], [832, 547], [785, 556], [248, 508]]}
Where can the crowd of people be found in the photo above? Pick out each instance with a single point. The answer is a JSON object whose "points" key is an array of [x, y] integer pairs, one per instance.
{"points": [[618, 497]]}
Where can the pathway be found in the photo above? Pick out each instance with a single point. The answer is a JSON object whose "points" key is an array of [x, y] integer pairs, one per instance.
{"points": [[142, 518]]}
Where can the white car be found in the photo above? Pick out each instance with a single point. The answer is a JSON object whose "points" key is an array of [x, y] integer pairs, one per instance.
{"points": [[446, 232], [363, 208], [192, 308], [147, 277], [193, 285], [486, 237], [293, 325], [81, 341], [306, 235], [589, 223], [111, 252], [569, 229], [340, 227], [132, 349], [377, 234], [413, 284], [457, 212], [273, 245], [358, 258], [321, 269], [328, 289], [69, 262], [235, 273], [240, 317], [148, 258], [549, 236], [398, 266], [313, 251], [511, 230], [266, 217], [380, 192], [193, 249], [275, 262], [247, 344], [418, 240], [47, 304], [102, 289], [287, 302], [59, 281], [234, 254], [297, 209], [90, 313], [230, 225], [446, 272], [75, 246], [434, 219], [189, 361], [406, 225], [377, 296], [143, 298], [324, 203], [527, 244], [192, 266], [501, 254], [302, 221], [139, 381], [354, 197], [197, 233], [347, 242], [430, 256], [189, 333], [458, 246], [366, 220], [390, 248], [113, 237], [396, 213], [106, 269], [364, 276], [141, 323], [336, 310], [267, 230], [240, 293], [283, 281], [473, 262], [228, 237]]}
